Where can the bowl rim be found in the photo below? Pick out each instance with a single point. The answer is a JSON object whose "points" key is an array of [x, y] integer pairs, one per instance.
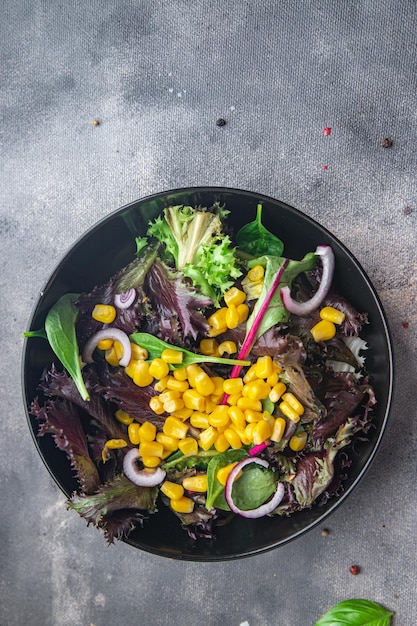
{"points": [[336, 502]]}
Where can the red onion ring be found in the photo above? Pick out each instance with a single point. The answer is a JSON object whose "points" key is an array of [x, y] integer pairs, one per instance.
{"points": [[304, 308], [142, 478], [262, 510], [125, 299], [108, 333]]}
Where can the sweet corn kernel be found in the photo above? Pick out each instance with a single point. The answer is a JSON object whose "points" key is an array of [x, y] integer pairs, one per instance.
{"points": [[199, 420], [249, 430], [171, 490], [174, 405], [151, 461], [277, 391], [212, 401], [256, 273], [294, 402], [111, 356], [115, 444], [123, 417], [169, 443], [194, 400], [220, 416], [183, 414], [248, 403], [193, 371], [207, 438], [158, 368], [151, 448], [256, 390], [177, 385], [209, 347], [218, 319], [188, 446], [141, 376], [298, 441], [161, 385], [234, 296], [273, 379], [105, 344], [232, 317], [221, 444], [242, 312], [156, 405], [323, 331], [138, 352], [223, 473], [233, 438], [227, 347], [250, 374], [182, 505], [289, 412], [232, 386], [169, 394], [242, 434], [175, 427], [180, 373], [261, 432], [218, 385], [331, 314], [196, 483], [215, 332], [172, 356], [133, 431], [237, 417], [203, 384], [264, 366], [278, 429], [147, 431], [233, 399], [105, 313]]}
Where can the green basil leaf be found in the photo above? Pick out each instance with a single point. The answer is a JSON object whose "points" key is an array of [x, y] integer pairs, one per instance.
{"points": [[254, 487], [215, 490], [256, 240], [60, 331], [356, 613], [156, 346]]}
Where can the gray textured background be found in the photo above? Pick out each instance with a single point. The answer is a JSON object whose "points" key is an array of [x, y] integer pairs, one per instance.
{"points": [[157, 75]]}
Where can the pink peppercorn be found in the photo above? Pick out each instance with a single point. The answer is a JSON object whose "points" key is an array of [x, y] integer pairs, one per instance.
{"points": [[327, 130]]}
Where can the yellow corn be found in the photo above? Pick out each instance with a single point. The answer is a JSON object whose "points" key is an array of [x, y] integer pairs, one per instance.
{"points": [[289, 412], [161, 385], [232, 386], [207, 438], [242, 312], [133, 431], [223, 473], [237, 416], [256, 390], [252, 416], [105, 344], [199, 420], [156, 405], [172, 406], [215, 332], [220, 416], [175, 427], [196, 483], [298, 441], [151, 448], [218, 385], [141, 376], [171, 490], [261, 432], [234, 296], [232, 317], [183, 414], [264, 366], [177, 385], [147, 431], [277, 391], [182, 505], [242, 434], [194, 400], [169, 443], [249, 430], [233, 438], [169, 394], [123, 417], [273, 379], [221, 444], [278, 429], [209, 347], [331, 314], [158, 368], [105, 313], [188, 446], [256, 274], [170, 355], [293, 402], [218, 319], [151, 461], [203, 384], [323, 331], [114, 354], [180, 373], [227, 347], [233, 399], [247, 403], [115, 444], [250, 374], [138, 352], [193, 371]]}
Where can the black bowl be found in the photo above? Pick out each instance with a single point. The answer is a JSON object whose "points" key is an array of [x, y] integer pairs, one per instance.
{"points": [[110, 245]]}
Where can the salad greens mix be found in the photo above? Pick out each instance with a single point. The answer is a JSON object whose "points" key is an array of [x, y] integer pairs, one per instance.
{"points": [[213, 377]]}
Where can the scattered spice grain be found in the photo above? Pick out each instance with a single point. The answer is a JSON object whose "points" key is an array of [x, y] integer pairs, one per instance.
{"points": [[405, 324], [325, 532], [354, 569], [386, 142], [221, 122], [327, 130], [96, 123]]}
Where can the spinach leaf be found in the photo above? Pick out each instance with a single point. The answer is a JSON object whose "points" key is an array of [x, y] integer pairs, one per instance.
{"points": [[253, 488], [256, 240], [156, 346], [60, 331], [215, 490], [356, 613]]}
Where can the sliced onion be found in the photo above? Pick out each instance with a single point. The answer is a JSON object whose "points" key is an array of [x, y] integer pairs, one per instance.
{"points": [[108, 333], [125, 299], [262, 510], [304, 308], [144, 477]]}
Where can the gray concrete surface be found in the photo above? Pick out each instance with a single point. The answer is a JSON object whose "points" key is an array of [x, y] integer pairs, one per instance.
{"points": [[157, 75]]}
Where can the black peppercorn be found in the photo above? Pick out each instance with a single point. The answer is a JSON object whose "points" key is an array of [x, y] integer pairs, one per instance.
{"points": [[221, 122], [386, 142]]}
